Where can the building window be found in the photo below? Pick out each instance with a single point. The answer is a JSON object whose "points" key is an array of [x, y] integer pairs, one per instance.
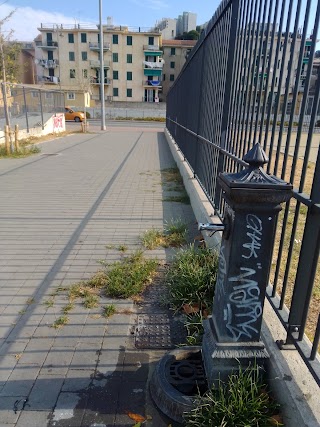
{"points": [[129, 40], [129, 58], [151, 41], [71, 96], [115, 39], [71, 56], [72, 74], [173, 51], [171, 77], [129, 75], [115, 57], [172, 64], [115, 91], [84, 56], [49, 95], [115, 75], [129, 93], [71, 38], [85, 73], [164, 77], [35, 94], [83, 37]]}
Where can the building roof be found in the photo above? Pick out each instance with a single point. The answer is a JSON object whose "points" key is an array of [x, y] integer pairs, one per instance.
{"points": [[179, 43]]}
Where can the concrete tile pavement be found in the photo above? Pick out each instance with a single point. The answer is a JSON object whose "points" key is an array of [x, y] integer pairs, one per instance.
{"points": [[61, 211]]}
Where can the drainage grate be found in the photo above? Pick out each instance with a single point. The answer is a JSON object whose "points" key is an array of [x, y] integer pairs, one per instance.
{"points": [[187, 375], [153, 331]]}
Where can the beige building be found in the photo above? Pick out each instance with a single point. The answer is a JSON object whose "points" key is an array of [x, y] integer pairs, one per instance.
{"points": [[175, 53], [68, 56]]}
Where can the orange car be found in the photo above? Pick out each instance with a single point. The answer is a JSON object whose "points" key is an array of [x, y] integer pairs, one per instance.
{"points": [[77, 116]]}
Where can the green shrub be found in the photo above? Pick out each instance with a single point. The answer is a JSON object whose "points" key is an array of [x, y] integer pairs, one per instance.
{"points": [[191, 277], [241, 402]]}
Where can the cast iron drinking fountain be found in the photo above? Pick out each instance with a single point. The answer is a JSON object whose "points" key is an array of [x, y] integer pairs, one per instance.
{"points": [[232, 334]]}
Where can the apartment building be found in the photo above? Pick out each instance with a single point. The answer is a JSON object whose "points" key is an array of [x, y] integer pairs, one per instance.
{"points": [[68, 56], [168, 28], [175, 53]]}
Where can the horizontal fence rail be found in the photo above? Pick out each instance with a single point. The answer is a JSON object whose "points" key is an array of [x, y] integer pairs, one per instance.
{"points": [[254, 77]]}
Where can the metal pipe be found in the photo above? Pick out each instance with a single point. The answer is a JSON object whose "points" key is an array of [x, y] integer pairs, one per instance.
{"points": [[103, 113]]}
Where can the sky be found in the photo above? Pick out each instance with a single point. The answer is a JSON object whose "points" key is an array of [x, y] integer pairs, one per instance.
{"points": [[135, 13]]}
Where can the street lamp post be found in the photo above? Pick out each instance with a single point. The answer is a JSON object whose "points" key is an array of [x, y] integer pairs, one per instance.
{"points": [[103, 114]]}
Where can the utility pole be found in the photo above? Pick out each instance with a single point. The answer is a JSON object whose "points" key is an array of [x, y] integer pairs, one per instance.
{"points": [[103, 113]]}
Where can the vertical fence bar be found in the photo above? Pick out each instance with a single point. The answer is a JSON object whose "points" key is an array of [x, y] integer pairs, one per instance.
{"points": [[5, 103], [225, 122]]}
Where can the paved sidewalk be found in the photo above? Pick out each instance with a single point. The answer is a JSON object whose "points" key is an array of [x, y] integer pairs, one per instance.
{"points": [[59, 212]]}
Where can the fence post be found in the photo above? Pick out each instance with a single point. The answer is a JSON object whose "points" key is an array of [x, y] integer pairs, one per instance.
{"points": [[7, 139], [232, 334], [16, 137]]}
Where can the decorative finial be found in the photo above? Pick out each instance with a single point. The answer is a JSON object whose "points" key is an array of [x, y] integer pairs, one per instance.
{"points": [[256, 157]]}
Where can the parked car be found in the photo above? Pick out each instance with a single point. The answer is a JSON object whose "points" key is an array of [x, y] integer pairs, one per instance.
{"points": [[77, 116]]}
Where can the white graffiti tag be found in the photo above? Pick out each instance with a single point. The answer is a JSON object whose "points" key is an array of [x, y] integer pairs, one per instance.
{"points": [[254, 225], [244, 308]]}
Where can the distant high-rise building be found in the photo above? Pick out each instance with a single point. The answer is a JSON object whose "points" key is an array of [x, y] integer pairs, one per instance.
{"points": [[168, 28], [186, 22]]}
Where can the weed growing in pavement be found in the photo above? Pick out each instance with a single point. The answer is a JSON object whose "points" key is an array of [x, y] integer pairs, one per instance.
{"points": [[69, 307], [122, 279], [194, 326], [173, 181], [182, 198], [129, 276], [109, 310], [191, 277], [61, 321], [49, 302], [122, 248], [174, 235], [24, 151], [242, 401]]}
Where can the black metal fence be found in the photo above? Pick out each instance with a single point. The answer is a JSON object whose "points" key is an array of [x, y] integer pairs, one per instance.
{"points": [[254, 77]]}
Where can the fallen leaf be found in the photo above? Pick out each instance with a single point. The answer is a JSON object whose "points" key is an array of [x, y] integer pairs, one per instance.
{"points": [[276, 420], [149, 417], [136, 417], [137, 425]]}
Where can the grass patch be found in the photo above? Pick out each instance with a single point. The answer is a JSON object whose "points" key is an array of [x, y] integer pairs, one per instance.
{"points": [[191, 278], [171, 175], [61, 321], [109, 310], [122, 248], [91, 301], [243, 401], [182, 198], [144, 119], [49, 302], [174, 235], [69, 307], [24, 151], [129, 276]]}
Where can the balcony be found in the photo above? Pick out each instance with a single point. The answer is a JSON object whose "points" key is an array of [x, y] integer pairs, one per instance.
{"points": [[96, 46], [48, 63], [152, 83], [48, 45], [150, 50], [96, 64], [48, 79], [153, 65], [96, 81]]}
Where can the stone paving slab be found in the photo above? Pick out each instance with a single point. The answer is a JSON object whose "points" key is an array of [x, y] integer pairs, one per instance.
{"points": [[58, 216]]}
